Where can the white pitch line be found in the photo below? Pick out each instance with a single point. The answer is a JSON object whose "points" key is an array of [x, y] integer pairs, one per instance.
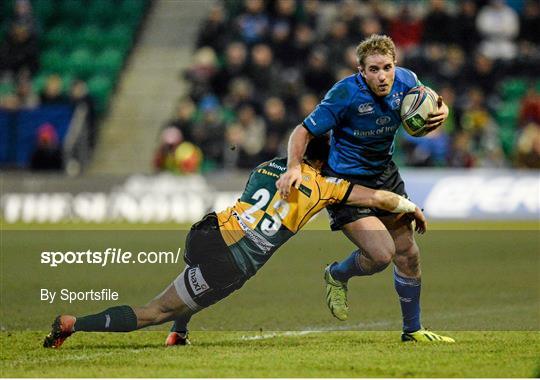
{"points": [[366, 326]]}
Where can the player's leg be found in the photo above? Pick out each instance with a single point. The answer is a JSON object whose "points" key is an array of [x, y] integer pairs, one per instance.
{"points": [[178, 336], [165, 307], [374, 253], [407, 273], [407, 279]]}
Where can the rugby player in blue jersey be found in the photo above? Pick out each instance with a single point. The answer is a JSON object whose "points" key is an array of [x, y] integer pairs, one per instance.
{"points": [[362, 112]]}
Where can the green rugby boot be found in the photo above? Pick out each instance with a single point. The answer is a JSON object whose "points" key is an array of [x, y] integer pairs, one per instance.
{"points": [[336, 296], [424, 335]]}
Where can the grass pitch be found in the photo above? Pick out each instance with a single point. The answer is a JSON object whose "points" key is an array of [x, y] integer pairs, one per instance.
{"points": [[235, 354], [480, 284]]}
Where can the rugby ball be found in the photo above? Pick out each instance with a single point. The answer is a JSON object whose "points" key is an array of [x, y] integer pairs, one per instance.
{"points": [[415, 107]]}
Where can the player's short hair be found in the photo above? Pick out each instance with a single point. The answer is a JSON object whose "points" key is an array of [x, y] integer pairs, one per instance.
{"points": [[375, 44], [318, 149]]}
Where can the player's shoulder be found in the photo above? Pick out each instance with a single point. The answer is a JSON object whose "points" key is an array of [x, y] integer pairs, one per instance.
{"points": [[406, 77], [345, 88]]}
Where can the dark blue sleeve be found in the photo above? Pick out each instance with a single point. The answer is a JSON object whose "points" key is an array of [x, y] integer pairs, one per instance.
{"points": [[330, 111]]}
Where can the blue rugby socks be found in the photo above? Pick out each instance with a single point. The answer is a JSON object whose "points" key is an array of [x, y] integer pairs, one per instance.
{"points": [[408, 290], [347, 268]]}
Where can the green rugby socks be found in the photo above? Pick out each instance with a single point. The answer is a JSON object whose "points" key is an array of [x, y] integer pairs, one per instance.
{"points": [[114, 319]]}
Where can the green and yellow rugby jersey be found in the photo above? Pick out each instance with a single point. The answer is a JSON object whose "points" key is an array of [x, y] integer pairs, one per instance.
{"points": [[260, 221]]}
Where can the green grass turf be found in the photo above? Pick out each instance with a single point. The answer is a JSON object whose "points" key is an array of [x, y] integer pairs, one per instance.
{"points": [[219, 354], [479, 281]]}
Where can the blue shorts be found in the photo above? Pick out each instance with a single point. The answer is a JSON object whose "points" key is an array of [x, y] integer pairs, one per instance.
{"points": [[341, 214]]}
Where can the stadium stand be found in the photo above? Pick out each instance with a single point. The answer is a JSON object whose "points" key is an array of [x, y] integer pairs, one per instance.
{"points": [[69, 50], [248, 52]]}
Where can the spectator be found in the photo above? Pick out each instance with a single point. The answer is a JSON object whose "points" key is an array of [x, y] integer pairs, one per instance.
{"points": [[478, 122], [530, 23], [213, 31], [438, 24], [263, 73], [27, 99], [79, 95], [253, 24], [184, 118], [349, 14], [337, 40], [308, 102], [498, 25], [312, 13], [406, 29], [201, 71], [277, 123], [317, 76], [280, 44], [431, 150], [53, 91], [464, 25], [247, 135], [23, 14], [528, 147], [483, 73], [241, 92], [209, 131], [19, 53], [460, 153], [350, 60], [368, 26], [48, 154], [304, 38], [450, 69], [235, 66], [285, 13], [164, 158], [530, 108]]}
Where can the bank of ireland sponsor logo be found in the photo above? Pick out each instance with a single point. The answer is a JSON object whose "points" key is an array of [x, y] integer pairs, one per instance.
{"points": [[383, 120], [365, 108], [196, 281]]}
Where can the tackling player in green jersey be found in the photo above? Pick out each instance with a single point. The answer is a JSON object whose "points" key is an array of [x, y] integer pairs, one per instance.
{"points": [[224, 250]]}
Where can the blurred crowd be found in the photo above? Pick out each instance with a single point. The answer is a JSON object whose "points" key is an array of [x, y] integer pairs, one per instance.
{"points": [[260, 67], [20, 52]]}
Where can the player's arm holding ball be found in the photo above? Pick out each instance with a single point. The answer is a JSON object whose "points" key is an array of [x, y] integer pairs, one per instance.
{"points": [[436, 119]]}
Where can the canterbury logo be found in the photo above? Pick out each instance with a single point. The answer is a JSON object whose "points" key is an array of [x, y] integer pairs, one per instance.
{"points": [[365, 108]]}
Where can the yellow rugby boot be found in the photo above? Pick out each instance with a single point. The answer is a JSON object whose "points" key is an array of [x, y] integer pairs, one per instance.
{"points": [[424, 335], [336, 296]]}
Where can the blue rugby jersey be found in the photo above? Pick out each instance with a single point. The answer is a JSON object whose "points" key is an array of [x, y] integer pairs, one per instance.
{"points": [[363, 125]]}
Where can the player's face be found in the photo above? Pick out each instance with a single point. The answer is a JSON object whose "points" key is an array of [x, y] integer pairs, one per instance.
{"points": [[379, 72]]}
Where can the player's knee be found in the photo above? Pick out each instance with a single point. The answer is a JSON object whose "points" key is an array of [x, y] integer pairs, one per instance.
{"points": [[382, 258], [381, 263]]}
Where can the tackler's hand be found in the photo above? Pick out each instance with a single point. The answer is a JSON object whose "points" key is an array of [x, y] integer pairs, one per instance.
{"points": [[420, 221], [292, 177]]}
